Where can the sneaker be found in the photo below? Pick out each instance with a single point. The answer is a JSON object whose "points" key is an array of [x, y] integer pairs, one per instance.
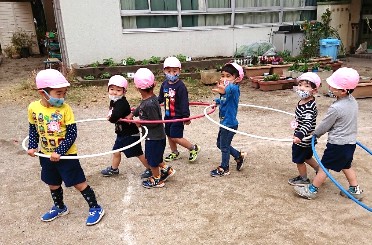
{"points": [[146, 174], [357, 193], [299, 181], [172, 156], [304, 192], [240, 161], [153, 183], [166, 173], [219, 172], [108, 172], [54, 213], [194, 153], [95, 215]]}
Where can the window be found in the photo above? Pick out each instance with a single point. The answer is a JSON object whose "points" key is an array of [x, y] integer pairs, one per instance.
{"points": [[178, 15]]}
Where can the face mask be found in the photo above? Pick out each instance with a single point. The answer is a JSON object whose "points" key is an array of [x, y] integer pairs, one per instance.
{"points": [[303, 94], [115, 97], [57, 102], [172, 78]]}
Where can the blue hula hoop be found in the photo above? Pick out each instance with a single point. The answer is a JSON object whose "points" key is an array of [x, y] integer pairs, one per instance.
{"points": [[334, 180]]}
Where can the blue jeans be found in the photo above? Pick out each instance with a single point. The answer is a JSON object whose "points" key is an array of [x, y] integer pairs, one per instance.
{"points": [[224, 144]]}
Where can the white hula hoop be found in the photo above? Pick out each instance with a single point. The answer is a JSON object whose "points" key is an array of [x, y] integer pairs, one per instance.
{"points": [[91, 155], [246, 134]]}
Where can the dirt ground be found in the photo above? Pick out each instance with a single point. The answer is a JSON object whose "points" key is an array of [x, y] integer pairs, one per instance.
{"points": [[254, 206]]}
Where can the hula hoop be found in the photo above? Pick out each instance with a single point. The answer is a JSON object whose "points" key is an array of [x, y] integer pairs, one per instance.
{"points": [[334, 180], [91, 155], [174, 120], [246, 134]]}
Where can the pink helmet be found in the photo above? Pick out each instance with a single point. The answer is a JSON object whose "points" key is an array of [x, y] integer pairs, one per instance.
{"points": [[240, 70], [311, 77], [344, 78], [50, 78], [144, 78], [119, 81], [172, 62]]}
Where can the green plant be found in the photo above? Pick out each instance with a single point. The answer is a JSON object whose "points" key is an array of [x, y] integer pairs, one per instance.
{"points": [[21, 39], [181, 57], [315, 67], [10, 50], [294, 67], [95, 64], [105, 75], [130, 61], [327, 68], [273, 77], [304, 68], [145, 62], [285, 55], [109, 62], [155, 60], [314, 31], [89, 77]]}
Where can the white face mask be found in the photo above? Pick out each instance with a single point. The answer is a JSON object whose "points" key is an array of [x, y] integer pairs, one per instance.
{"points": [[303, 94], [115, 97]]}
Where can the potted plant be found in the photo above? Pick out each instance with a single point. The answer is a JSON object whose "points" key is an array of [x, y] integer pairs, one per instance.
{"points": [[22, 42], [275, 82], [12, 52]]}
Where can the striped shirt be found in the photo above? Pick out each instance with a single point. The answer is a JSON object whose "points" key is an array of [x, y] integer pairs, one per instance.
{"points": [[305, 116]]}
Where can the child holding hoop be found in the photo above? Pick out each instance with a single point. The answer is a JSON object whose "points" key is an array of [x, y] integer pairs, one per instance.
{"points": [[149, 109], [52, 124], [173, 93], [126, 133], [229, 90], [303, 125], [341, 124]]}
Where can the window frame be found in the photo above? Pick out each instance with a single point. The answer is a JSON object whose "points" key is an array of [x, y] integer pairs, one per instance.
{"points": [[212, 11]]}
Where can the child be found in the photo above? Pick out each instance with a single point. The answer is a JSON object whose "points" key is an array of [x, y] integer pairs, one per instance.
{"points": [[52, 123], [173, 93], [228, 87], [127, 133], [304, 124], [341, 124], [149, 109]]}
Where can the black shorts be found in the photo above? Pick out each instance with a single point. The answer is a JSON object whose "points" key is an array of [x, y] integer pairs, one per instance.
{"points": [[174, 129], [122, 141], [301, 154], [338, 157]]}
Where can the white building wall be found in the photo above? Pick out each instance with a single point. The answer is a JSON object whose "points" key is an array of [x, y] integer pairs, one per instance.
{"points": [[93, 31]]}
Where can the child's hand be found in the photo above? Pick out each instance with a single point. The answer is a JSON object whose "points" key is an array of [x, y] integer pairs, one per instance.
{"points": [[55, 157], [220, 87], [31, 152], [187, 122], [296, 140], [129, 117]]}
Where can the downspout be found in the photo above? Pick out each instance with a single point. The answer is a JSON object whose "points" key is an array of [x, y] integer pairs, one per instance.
{"points": [[61, 33]]}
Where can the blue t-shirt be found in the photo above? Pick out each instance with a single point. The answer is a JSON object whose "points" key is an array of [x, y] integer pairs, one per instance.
{"points": [[228, 105]]}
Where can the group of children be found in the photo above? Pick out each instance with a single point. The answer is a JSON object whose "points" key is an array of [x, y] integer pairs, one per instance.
{"points": [[52, 125]]}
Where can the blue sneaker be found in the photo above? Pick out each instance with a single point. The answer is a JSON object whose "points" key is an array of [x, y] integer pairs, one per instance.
{"points": [[219, 172], [95, 215], [54, 213]]}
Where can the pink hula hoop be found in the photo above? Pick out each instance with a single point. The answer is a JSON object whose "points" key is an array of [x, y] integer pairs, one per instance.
{"points": [[174, 120]]}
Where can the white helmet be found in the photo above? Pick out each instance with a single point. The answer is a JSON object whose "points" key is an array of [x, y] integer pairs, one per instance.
{"points": [[172, 62], [119, 81]]}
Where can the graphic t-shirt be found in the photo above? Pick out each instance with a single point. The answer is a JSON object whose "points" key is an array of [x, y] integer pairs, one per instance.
{"points": [[51, 123]]}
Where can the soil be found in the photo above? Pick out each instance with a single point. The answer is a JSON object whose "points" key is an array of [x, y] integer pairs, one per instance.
{"points": [[253, 206]]}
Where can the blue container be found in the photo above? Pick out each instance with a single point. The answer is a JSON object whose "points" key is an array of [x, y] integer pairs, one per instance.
{"points": [[329, 47]]}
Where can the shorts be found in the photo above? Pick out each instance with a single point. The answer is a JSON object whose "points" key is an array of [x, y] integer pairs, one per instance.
{"points": [[154, 151], [301, 154], [174, 129], [67, 170], [122, 141], [338, 157]]}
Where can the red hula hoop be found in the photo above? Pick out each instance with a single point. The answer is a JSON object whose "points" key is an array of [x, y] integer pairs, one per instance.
{"points": [[174, 120]]}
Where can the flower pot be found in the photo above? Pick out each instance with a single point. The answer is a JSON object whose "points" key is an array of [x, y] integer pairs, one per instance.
{"points": [[25, 52], [276, 85], [252, 71], [254, 81], [278, 69]]}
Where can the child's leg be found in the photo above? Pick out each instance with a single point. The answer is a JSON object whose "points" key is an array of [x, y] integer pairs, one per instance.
{"points": [[144, 162], [172, 144], [351, 176], [95, 211], [182, 142], [319, 178], [116, 159], [313, 164], [225, 147], [302, 170], [57, 196]]}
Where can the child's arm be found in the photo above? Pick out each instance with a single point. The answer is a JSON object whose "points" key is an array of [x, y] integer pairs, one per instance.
{"points": [[65, 145], [120, 110], [220, 88], [183, 97], [306, 126], [161, 95], [33, 141], [327, 122]]}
